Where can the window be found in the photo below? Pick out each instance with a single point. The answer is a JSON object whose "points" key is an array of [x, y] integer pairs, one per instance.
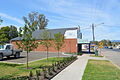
{"points": [[8, 47], [1, 46]]}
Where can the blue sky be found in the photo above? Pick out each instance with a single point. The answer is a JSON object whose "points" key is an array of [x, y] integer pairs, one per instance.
{"points": [[68, 13]]}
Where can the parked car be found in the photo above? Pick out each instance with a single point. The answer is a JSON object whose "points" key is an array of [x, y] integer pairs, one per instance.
{"points": [[8, 50], [118, 47], [105, 46], [110, 47]]}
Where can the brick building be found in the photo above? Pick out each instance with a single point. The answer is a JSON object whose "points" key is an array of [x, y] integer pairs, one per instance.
{"points": [[71, 45]]}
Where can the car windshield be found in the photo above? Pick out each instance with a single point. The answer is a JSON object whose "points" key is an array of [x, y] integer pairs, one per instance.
{"points": [[1, 46]]}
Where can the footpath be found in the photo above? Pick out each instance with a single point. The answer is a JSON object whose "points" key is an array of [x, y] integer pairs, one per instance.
{"points": [[75, 71]]}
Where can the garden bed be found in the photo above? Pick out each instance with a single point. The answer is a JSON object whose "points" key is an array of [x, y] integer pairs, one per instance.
{"points": [[44, 68]]}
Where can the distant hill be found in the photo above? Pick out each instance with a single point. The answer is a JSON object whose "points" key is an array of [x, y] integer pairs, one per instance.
{"points": [[115, 40]]}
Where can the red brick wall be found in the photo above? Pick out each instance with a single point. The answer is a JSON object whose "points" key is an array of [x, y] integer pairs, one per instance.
{"points": [[68, 47]]}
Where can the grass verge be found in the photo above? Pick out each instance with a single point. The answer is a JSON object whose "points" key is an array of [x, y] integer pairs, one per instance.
{"points": [[101, 70], [95, 56], [8, 70]]}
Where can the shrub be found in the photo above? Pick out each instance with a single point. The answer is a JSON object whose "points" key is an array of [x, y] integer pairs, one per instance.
{"points": [[79, 53]]}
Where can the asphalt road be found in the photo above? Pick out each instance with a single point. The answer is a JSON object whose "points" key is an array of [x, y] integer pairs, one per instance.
{"points": [[113, 55], [33, 56], [117, 50]]}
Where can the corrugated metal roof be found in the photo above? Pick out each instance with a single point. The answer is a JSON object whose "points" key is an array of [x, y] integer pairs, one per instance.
{"points": [[37, 33]]}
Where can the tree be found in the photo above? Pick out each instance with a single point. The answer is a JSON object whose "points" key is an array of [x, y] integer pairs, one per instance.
{"points": [[1, 21], [109, 43], [104, 42], [94, 42], [59, 41], [4, 34], [7, 33], [28, 42], [40, 18], [13, 33], [42, 21], [46, 37]]}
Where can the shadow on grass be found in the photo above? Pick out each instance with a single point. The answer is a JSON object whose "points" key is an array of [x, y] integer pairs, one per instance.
{"points": [[12, 58], [8, 64]]}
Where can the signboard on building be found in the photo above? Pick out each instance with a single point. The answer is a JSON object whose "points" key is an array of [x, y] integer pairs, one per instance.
{"points": [[71, 34]]}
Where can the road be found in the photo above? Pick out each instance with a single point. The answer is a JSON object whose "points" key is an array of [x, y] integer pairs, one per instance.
{"points": [[117, 50], [33, 56], [113, 55]]}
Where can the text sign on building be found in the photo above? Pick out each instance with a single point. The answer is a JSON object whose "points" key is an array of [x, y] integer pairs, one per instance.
{"points": [[82, 41], [71, 34]]}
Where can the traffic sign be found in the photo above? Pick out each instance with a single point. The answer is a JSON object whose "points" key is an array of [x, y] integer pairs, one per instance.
{"points": [[100, 45]]}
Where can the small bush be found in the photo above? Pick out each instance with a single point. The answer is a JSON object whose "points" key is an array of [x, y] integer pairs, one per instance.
{"points": [[80, 54]]}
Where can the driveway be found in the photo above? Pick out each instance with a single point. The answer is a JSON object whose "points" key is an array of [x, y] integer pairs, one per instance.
{"points": [[33, 56], [112, 55]]}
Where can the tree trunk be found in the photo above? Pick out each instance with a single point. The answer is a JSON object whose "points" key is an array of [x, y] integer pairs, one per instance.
{"points": [[47, 53], [27, 60], [58, 54]]}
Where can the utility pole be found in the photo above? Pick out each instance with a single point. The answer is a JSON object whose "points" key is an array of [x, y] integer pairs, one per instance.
{"points": [[93, 32]]}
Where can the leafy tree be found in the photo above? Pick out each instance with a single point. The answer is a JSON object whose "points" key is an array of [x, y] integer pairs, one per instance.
{"points": [[1, 21], [109, 43], [28, 42], [95, 42], [13, 33], [106, 42], [4, 34], [42, 21], [40, 18], [7, 33], [46, 37], [59, 41]]}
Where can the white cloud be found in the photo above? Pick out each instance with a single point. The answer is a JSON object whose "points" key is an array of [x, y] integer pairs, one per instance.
{"points": [[11, 18], [64, 13]]}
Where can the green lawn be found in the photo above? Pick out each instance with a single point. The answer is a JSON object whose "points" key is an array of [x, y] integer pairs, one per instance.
{"points": [[95, 56], [8, 70], [101, 70]]}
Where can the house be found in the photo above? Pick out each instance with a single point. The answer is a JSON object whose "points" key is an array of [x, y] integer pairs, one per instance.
{"points": [[72, 36]]}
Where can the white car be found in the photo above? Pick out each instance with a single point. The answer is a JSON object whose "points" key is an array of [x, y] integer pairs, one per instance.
{"points": [[118, 47], [8, 50], [110, 47]]}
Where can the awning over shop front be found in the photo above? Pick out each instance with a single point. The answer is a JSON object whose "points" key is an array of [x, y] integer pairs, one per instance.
{"points": [[82, 41]]}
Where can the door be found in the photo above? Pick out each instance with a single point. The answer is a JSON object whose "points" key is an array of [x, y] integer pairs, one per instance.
{"points": [[79, 48], [8, 50]]}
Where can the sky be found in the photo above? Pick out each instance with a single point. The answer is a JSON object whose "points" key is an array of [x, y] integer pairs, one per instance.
{"points": [[68, 13]]}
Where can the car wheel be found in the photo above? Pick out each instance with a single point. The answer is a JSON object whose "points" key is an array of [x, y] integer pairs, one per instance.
{"points": [[17, 55], [1, 57], [8, 57]]}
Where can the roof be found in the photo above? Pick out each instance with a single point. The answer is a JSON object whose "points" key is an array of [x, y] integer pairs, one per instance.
{"points": [[37, 33]]}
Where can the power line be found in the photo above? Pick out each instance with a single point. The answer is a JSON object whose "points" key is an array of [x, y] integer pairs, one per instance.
{"points": [[118, 26]]}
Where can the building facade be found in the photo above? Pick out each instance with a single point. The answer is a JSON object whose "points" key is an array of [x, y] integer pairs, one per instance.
{"points": [[72, 36]]}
